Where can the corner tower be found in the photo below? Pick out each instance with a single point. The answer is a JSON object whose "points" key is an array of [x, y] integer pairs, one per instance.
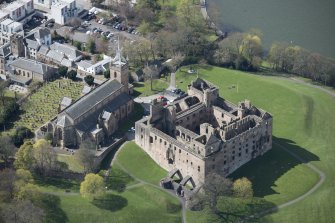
{"points": [[119, 68]]}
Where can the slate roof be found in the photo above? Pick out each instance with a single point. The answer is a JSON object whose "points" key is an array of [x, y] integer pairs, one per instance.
{"points": [[55, 55], [212, 139], [84, 63], [91, 121], [87, 102], [64, 121], [41, 33], [70, 52], [65, 62], [31, 65], [66, 101], [43, 50], [32, 44]]}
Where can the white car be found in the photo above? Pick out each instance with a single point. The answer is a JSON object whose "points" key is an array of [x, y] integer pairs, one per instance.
{"points": [[88, 32], [110, 35]]}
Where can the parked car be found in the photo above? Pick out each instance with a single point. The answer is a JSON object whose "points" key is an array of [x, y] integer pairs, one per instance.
{"points": [[110, 35]]}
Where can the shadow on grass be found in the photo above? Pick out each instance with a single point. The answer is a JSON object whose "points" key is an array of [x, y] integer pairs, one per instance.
{"points": [[51, 205], [110, 202], [265, 170], [61, 183]]}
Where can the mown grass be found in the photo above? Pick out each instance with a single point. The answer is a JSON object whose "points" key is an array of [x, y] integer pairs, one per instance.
{"points": [[71, 161], [144, 89], [303, 124], [137, 162]]}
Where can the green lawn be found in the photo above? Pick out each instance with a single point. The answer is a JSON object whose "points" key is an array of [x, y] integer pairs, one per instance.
{"points": [[144, 89], [137, 162], [140, 203], [303, 123], [71, 161], [43, 105]]}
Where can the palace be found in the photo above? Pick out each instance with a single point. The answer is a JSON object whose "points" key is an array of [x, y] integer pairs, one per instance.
{"points": [[204, 133]]}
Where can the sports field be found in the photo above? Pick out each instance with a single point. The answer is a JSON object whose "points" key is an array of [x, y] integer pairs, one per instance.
{"points": [[303, 124]]}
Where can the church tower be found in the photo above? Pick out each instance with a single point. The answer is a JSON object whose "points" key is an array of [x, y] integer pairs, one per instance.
{"points": [[119, 68]]}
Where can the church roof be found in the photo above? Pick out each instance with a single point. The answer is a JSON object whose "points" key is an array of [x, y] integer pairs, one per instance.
{"points": [[90, 100], [64, 121], [90, 122]]}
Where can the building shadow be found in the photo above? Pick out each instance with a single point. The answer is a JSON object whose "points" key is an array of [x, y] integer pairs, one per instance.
{"points": [[265, 170], [110, 202]]}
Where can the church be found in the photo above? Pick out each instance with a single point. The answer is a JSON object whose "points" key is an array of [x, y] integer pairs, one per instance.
{"points": [[98, 114]]}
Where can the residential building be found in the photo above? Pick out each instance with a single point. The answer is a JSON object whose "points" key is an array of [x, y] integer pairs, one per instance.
{"points": [[31, 69], [87, 67], [20, 10], [8, 27], [35, 40]]}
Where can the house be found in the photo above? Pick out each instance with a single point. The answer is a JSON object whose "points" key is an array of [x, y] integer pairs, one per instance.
{"points": [[19, 11], [59, 10], [35, 40], [31, 69], [86, 67], [59, 54], [9, 27]]}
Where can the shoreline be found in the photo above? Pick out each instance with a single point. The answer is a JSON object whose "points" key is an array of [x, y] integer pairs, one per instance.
{"points": [[203, 10]]}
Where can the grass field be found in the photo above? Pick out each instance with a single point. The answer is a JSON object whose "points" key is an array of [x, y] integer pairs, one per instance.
{"points": [[303, 123], [144, 89], [43, 105], [139, 203], [71, 161]]}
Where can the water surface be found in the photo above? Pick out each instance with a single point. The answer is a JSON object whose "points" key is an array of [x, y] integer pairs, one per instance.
{"points": [[308, 23]]}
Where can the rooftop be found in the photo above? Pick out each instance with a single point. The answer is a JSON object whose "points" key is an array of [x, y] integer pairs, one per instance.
{"points": [[32, 65], [87, 102]]}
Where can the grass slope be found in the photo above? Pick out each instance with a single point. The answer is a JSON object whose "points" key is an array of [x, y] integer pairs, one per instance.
{"points": [[303, 123], [139, 203]]}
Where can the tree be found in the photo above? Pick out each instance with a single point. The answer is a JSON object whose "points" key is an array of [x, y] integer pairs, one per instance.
{"points": [[7, 186], [2, 91], [25, 156], [62, 70], [72, 74], [22, 211], [74, 22], [7, 149], [21, 133], [93, 186], [144, 28], [91, 47], [243, 188], [107, 74], [89, 79], [45, 156], [215, 186], [101, 45], [77, 44], [86, 155]]}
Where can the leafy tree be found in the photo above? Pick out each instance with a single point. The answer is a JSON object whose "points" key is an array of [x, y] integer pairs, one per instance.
{"points": [[2, 92], [21, 133], [243, 188], [93, 186], [89, 79], [107, 74], [144, 28], [25, 156], [91, 46], [27, 191], [62, 70], [72, 74], [86, 155], [7, 148], [45, 156]]}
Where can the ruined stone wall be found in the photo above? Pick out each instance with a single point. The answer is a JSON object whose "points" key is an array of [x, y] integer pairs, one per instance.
{"points": [[241, 149], [169, 153]]}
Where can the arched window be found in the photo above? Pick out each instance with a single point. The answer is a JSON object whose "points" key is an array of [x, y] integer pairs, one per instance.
{"points": [[115, 74]]}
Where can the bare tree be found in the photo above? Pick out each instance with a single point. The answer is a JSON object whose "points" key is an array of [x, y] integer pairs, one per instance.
{"points": [[7, 148], [86, 155]]}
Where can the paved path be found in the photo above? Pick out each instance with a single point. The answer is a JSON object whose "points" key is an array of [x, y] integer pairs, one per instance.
{"points": [[322, 177]]}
